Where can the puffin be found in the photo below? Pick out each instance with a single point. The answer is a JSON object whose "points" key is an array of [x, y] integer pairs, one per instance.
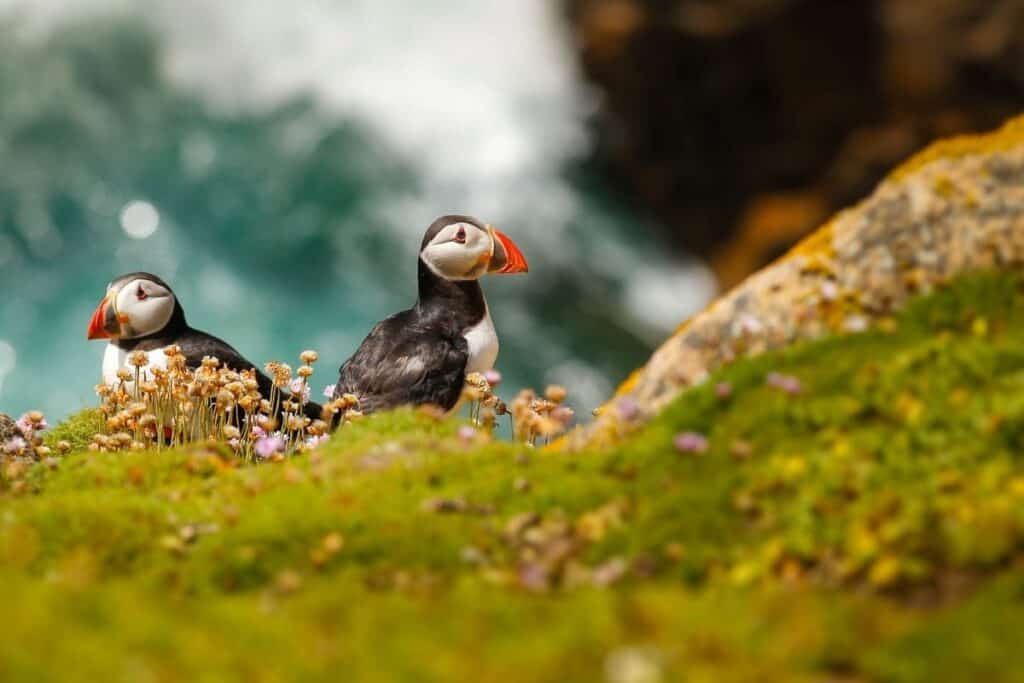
{"points": [[141, 313], [422, 355]]}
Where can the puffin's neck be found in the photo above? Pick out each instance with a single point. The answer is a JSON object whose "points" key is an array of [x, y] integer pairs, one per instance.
{"points": [[462, 300], [174, 328]]}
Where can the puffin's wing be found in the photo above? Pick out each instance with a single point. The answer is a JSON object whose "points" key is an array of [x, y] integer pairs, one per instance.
{"points": [[405, 365], [200, 344]]}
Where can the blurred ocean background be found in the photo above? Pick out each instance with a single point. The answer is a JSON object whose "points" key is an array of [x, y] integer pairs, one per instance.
{"points": [[278, 164]]}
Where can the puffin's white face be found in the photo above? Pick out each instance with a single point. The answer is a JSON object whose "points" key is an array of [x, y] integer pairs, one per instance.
{"points": [[460, 251], [464, 251], [132, 309]]}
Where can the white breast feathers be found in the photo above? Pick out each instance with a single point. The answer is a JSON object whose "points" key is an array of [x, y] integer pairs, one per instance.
{"points": [[483, 345], [116, 358]]}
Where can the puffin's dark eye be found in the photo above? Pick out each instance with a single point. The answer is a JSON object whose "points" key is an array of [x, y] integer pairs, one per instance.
{"points": [[141, 294], [460, 236]]}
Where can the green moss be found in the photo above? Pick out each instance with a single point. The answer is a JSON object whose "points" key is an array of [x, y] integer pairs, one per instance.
{"points": [[76, 430], [868, 528]]}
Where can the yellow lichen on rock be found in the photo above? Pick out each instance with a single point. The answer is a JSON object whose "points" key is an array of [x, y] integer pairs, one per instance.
{"points": [[1011, 135]]}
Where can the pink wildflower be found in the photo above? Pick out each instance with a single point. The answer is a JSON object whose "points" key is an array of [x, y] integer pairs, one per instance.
{"points": [[629, 409], [467, 433], [787, 383], [15, 445], [300, 390], [691, 442], [268, 445]]}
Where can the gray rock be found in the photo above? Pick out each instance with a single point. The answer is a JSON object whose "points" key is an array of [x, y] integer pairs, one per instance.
{"points": [[8, 428]]}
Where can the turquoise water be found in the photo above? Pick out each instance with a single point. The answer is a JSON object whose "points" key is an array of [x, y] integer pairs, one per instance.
{"points": [[283, 225]]}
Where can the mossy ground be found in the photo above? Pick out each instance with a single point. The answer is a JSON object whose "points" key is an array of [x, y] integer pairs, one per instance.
{"points": [[869, 527]]}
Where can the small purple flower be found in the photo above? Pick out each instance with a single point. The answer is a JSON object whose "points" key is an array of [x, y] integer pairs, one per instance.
{"points": [[234, 443], [256, 424], [15, 445], [747, 325], [563, 414], [300, 390], [329, 392], [268, 445], [629, 409], [314, 441], [493, 377], [24, 425], [467, 433], [533, 576], [691, 442], [723, 390], [787, 383]]}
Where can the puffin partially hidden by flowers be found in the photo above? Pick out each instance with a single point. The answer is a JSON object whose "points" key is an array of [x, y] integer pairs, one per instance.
{"points": [[141, 313], [422, 355]]}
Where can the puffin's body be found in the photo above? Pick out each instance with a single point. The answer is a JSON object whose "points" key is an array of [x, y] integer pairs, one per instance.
{"points": [[422, 355], [141, 313]]}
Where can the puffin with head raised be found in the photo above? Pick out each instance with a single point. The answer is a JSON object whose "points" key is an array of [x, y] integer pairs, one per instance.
{"points": [[422, 355], [141, 313]]}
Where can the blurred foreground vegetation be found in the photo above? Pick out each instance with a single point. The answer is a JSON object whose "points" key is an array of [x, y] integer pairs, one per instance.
{"points": [[856, 515]]}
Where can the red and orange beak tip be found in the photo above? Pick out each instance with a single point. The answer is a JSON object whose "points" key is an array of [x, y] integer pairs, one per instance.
{"points": [[96, 325], [515, 262]]}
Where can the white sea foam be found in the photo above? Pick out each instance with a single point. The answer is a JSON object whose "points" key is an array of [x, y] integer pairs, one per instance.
{"points": [[481, 97]]}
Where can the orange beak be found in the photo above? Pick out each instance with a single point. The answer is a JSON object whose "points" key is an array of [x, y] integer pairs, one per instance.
{"points": [[106, 323], [96, 325], [514, 261]]}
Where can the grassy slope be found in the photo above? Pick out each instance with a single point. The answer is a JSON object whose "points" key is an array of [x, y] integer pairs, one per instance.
{"points": [[873, 533]]}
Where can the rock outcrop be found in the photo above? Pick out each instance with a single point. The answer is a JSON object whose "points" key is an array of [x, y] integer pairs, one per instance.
{"points": [[8, 429], [956, 207]]}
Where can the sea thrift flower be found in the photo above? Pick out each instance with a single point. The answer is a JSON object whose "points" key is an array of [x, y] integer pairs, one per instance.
{"points": [[563, 415], [329, 391], [691, 442], [467, 433], [300, 389], [32, 421], [268, 445], [314, 441], [24, 426], [629, 409], [15, 445], [493, 377], [309, 357], [556, 393], [747, 324], [787, 383]]}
